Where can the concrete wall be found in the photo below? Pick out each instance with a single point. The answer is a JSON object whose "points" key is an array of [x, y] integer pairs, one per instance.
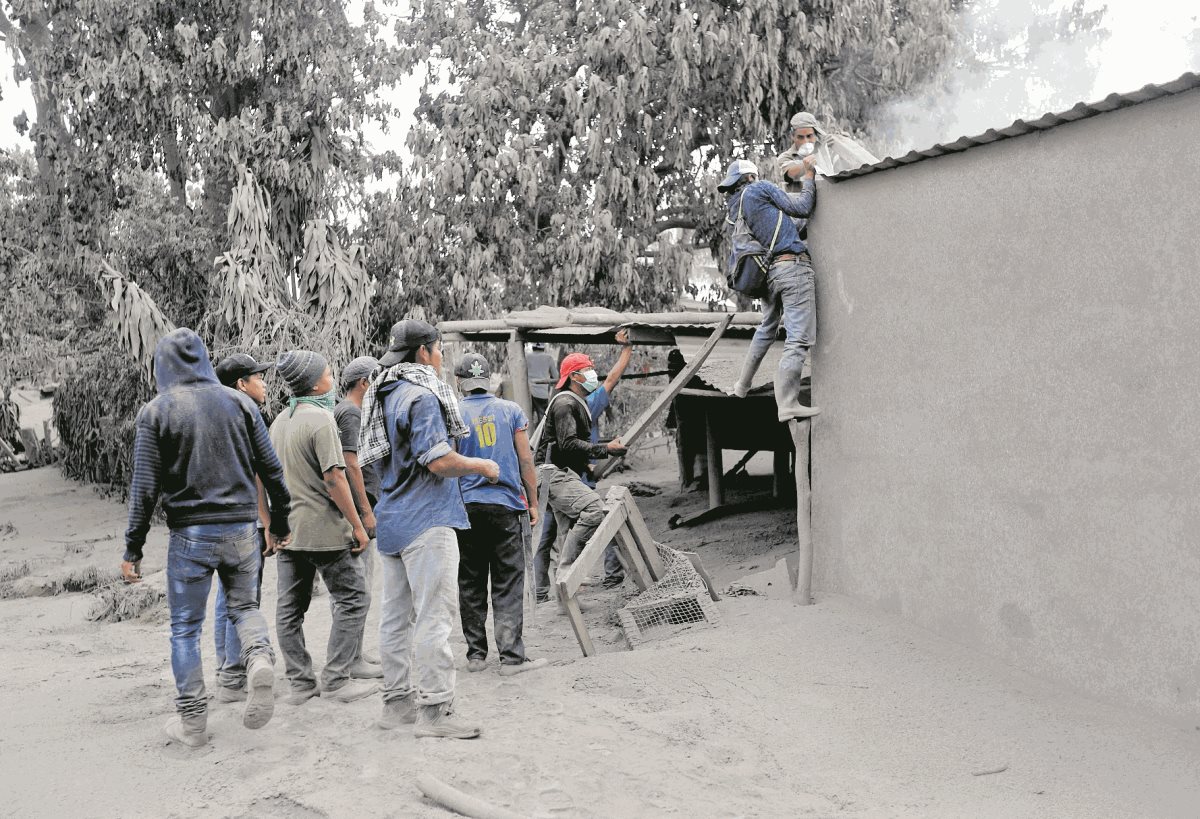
{"points": [[1008, 364]]}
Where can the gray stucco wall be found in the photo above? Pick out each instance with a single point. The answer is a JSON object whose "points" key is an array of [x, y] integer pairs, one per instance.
{"points": [[1008, 364]]}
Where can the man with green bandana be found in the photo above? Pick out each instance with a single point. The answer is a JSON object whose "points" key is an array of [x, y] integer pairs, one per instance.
{"points": [[327, 533]]}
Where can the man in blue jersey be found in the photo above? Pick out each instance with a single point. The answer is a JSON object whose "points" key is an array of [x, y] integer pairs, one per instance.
{"points": [[198, 447], [494, 545]]}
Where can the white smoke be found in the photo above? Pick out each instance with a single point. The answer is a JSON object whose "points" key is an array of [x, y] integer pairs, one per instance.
{"points": [[1020, 59]]}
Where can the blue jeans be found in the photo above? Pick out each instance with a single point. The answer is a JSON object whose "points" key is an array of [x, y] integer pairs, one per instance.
{"points": [[231, 672], [790, 299], [193, 554]]}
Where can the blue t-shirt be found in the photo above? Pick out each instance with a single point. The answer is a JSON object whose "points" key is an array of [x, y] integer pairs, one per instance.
{"points": [[413, 499], [493, 421], [597, 403]]}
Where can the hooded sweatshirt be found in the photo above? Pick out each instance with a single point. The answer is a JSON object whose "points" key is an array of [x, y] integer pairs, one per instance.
{"points": [[198, 446]]}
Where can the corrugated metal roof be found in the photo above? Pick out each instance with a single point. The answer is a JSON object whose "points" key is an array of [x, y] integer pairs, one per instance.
{"points": [[1112, 102]]}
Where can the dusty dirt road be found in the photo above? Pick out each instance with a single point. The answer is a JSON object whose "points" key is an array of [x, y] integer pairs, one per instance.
{"points": [[781, 711]]}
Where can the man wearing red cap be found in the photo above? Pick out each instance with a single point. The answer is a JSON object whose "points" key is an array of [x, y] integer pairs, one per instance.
{"points": [[569, 449]]}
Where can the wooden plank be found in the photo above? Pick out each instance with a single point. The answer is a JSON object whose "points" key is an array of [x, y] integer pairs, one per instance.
{"points": [[576, 618], [572, 578], [641, 535], [716, 467], [636, 565], [700, 570], [802, 592], [664, 400], [518, 370]]}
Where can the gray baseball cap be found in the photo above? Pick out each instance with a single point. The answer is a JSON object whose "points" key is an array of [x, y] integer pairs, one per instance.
{"points": [[473, 373]]}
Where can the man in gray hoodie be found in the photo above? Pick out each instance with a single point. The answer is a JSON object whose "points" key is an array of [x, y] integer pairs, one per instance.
{"points": [[198, 447]]}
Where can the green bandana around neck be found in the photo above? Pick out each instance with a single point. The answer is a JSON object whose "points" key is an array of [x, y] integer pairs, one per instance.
{"points": [[326, 401]]}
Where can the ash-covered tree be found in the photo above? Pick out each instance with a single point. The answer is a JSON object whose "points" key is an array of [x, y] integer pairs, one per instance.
{"points": [[171, 133], [560, 148]]}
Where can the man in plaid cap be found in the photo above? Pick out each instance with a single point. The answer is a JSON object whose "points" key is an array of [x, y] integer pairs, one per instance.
{"points": [[410, 419]]}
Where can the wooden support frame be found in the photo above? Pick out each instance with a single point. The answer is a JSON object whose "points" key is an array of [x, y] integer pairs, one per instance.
{"points": [[637, 549]]}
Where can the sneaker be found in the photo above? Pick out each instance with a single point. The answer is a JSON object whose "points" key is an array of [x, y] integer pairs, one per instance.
{"points": [[299, 696], [191, 732], [226, 694], [363, 670], [353, 690], [613, 582], [260, 705], [520, 668], [476, 664], [371, 657], [397, 712], [434, 721]]}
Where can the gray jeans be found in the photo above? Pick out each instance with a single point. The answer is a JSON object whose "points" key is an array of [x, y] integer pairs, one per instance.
{"points": [[344, 578], [790, 299], [572, 498], [417, 613]]}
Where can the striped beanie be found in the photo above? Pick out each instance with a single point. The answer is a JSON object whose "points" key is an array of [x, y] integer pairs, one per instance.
{"points": [[301, 369]]}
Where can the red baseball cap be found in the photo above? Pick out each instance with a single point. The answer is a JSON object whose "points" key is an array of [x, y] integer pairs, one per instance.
{"points": [[572, 364]]}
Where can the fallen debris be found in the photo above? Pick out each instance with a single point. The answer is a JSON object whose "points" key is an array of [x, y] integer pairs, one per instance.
{"points": [[453, 799]]}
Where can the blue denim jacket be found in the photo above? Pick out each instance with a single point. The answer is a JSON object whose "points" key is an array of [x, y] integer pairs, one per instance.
{"points": [[763, 202]]}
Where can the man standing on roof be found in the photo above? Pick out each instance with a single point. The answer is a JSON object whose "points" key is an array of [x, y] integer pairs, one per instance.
{"points": [[567, 440], [242, 373], [410, 418], [831, 153], [791, 295], [495, 544], [542, 372], [198, 447]]}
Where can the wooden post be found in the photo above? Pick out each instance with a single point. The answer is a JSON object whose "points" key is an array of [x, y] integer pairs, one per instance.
{"points": [[716, 467], [800, 429], [518, 370]]}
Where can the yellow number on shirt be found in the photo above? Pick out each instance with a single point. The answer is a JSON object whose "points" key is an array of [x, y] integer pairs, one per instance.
{"points": [[486, 432]]}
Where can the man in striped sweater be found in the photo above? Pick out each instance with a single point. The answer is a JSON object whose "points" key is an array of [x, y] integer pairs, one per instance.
{"points": [[198, 447]]}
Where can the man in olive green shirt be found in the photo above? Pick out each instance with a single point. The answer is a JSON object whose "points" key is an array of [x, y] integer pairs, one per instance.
{"points": [[327, 533]]}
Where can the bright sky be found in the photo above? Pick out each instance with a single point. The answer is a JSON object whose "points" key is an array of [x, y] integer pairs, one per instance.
{"points": [[1151, 41]]}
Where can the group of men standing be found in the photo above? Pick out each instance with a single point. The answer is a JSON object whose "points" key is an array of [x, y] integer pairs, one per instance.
{"points": [[442, 486]]}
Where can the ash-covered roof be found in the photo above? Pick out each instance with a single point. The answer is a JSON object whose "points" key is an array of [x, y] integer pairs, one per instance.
{"points": [[1112, 102]]}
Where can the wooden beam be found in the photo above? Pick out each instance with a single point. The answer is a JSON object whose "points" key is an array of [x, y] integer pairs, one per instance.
{"points": [[637, 564], [518, 370], [659, 404], [716, 467], [641, 534], [576, 617], [800, 429]]}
